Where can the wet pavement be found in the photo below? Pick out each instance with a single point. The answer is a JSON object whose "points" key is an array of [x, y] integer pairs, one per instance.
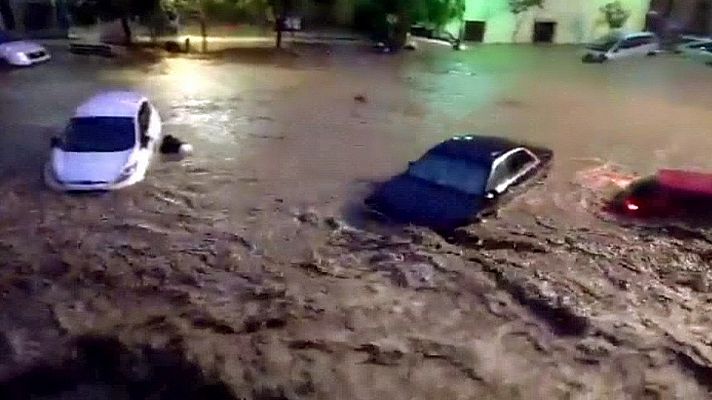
{"points": [[248, 262]]}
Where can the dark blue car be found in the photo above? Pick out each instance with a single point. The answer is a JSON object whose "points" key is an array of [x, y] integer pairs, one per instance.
{"points": [[456, 180]]}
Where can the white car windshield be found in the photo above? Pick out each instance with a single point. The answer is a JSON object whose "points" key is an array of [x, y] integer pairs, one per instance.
{"points": [[99, 134], [604, 44], [455, 173]]}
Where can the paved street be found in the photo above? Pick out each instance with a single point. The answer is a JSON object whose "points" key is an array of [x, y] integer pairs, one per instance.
{"points": [[251, 227]]}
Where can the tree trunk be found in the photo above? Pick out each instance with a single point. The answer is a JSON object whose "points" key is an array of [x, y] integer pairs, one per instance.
{"points": [[7, 15], [128, 37], [398, 31], [204, 33], [517, 28]]}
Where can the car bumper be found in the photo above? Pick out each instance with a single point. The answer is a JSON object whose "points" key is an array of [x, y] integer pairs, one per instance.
{"points": [[27, 62], [55, 184]]}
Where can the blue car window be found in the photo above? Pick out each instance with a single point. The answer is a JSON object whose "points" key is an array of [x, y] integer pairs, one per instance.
{"points": [[100, 134], [459, 174]]}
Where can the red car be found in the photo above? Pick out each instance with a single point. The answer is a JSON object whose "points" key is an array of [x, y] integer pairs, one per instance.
{"points": [[670, 193]]}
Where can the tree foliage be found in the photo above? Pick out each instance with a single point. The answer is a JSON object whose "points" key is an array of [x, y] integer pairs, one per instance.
{"points": [[225, 10], [371, 14], [437, 13], [519, 6], [113, 9], [615, 14]]}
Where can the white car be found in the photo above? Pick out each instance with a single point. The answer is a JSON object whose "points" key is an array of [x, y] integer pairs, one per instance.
{"points": [[687, 41], [108, 144], [701, 53], [619, 46], [695, 48], [21, 53]]}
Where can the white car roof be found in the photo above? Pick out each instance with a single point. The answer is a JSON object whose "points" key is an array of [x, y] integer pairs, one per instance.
{"points": [[639, 34], [111, 104], [696, 37]]}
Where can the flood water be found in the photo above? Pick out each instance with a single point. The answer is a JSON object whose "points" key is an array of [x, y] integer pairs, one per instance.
{"points": [[288, 126], [280, 137]]}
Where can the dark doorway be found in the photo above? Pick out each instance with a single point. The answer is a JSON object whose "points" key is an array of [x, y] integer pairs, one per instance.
{"points": [[8, 18], [474, 31], [38, 16], [544, 32]]}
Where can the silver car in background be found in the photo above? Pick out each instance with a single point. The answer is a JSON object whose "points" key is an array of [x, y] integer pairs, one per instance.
{"points": [[619, 45], [21, 53], [700, 52]]}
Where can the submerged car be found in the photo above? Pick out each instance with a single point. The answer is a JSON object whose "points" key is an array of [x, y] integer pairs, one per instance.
{"points": [[690, 43], [21, 53], [699, 52], [108, 144], [668, 194], [617, 46], [456, 181]]}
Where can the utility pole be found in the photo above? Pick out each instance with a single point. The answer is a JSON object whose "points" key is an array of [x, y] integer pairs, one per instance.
{"points": [[280, 15], [203, 25]]}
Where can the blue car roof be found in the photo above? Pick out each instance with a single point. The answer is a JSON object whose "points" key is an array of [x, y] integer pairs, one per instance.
{"points": [[479, 149]]}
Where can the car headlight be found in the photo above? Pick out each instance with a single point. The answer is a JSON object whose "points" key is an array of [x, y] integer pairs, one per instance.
{"points": [[127, 172]]}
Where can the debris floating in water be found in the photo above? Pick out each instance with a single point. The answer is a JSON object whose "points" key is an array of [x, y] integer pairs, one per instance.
{"points": [[173, 145]]}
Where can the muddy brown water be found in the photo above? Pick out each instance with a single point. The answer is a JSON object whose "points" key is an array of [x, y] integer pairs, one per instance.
{"points": [[242, 261]]}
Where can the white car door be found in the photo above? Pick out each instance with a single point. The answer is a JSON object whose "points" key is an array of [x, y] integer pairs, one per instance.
{"points": [[155, 129], [634, 46], [639, 46], [147, 140], [624, 48]]}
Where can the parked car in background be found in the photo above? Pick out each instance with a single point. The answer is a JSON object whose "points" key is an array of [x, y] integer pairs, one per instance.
{"points": [[669, 193], [699, 51], [687, 41], [616, 46], [21, 53], [457, 180], [108, 144]]}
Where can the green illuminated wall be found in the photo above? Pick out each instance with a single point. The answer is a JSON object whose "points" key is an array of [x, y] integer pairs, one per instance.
{"points": [[577, 20]]}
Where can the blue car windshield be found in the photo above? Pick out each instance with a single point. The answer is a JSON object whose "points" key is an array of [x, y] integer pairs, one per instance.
{"points": [[99, 134], [6, 37], [459, 174]]}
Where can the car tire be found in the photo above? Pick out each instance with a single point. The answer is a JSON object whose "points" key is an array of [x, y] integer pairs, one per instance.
{"points": [[652, 54]]}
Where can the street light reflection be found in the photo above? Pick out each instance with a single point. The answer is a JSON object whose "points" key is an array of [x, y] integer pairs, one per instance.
{"points": [[184, 76]]}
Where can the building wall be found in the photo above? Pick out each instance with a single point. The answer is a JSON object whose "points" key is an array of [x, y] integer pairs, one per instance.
{"points": [[577, 20]]}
